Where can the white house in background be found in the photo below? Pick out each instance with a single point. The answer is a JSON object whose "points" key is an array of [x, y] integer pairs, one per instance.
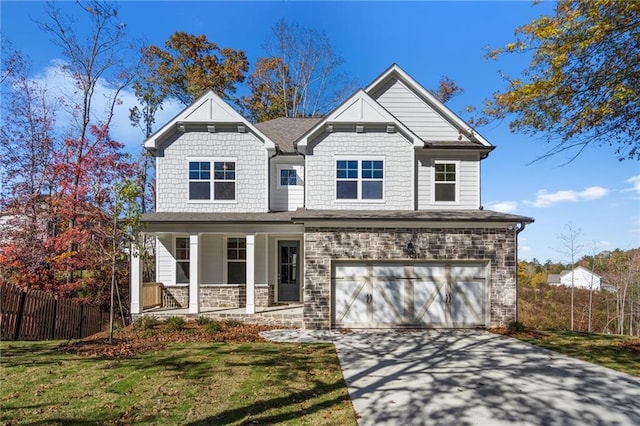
{"points": [[582, 278], [368, 217]]}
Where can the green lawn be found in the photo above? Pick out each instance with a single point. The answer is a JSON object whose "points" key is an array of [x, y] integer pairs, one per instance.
{"points": [[616, 352], [201, 383]]}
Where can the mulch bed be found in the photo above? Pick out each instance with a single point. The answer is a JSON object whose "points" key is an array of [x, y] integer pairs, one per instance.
{"points": [[630, 345], [524, 333], [132, 341]]}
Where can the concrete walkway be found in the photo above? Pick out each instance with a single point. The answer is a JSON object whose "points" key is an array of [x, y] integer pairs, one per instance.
{"points": [[467, 377]]}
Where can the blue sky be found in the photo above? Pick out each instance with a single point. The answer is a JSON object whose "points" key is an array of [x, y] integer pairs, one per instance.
{"points": [[595, 193]]}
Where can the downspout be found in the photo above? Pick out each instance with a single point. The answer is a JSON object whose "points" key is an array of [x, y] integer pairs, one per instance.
{"points": [[304, 168], [269, 177], [518, 230]]}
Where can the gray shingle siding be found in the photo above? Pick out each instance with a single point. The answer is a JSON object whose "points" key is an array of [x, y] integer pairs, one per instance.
{"points": [[398, 173], [173, 166]]}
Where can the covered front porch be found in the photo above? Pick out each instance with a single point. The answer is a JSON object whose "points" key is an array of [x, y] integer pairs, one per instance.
{"points": [[223, 266]]}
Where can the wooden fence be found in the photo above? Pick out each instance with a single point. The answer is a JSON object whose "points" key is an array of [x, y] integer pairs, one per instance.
{"points": [[151, 295], [36, 315]]}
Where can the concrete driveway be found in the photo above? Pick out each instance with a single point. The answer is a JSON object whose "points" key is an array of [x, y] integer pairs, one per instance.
{"points": [[466, 377]]}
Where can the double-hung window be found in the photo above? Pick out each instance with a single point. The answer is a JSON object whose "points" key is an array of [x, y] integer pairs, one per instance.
{"points": [[445, 181], [212, 179], [360, 179], [224, 180], [182, 260], [236, 260], [288, 177], [199, 180]]}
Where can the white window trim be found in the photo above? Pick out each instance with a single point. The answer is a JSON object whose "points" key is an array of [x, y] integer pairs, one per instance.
{"points": [[225, 260], [359, 179], [287, 167], [433, 182], [212, 181]]}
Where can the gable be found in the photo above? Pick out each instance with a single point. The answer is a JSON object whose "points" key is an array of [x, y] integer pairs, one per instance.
{"points": [[211, 109], [360, 110], [206, 112], [416, 114], [421, 111]]}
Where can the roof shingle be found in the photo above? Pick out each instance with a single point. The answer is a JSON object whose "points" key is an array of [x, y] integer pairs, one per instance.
{"points": [[284, 131]]}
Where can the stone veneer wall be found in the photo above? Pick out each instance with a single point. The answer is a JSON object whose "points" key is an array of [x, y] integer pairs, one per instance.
{"points": [[217, 296], [223, 296], [175, 296], [322, 245], [262, 295]]}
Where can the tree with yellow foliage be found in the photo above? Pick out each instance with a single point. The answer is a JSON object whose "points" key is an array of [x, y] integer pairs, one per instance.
{"points": [[582, 87]]}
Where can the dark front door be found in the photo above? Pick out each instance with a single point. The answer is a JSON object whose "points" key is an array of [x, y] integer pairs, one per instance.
{"points": [[289, 271]]}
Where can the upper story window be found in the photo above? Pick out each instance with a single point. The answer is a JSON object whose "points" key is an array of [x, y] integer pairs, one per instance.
{"points": [[224, 180], [199, 180], [359, 179], [445, 181], [217, 186], [288, 177]]}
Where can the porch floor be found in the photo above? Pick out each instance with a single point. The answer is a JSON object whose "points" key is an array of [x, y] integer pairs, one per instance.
{"points": [[286, 315]]}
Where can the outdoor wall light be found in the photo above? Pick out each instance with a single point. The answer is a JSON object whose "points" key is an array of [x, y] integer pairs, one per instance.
{"points": [[411, 250]]}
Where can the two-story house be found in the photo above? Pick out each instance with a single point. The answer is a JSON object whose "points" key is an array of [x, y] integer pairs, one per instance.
{"points": [[368, 217]]}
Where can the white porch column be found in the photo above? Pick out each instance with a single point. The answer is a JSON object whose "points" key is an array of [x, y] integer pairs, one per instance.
{"points": [[135, 279], [251, 279], [194, 279]]}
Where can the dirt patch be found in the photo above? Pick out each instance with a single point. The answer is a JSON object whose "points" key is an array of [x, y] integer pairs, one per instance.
{"points": [[134, 340]]}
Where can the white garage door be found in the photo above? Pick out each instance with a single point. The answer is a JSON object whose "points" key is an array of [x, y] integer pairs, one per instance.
{"points": [[417, 294]]}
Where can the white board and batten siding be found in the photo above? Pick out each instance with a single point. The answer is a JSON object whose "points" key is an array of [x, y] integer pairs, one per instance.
{"points": [[468, 180], [291, 197], [415, 113]]}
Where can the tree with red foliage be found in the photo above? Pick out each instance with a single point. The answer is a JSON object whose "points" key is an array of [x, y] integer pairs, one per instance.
{"points": [[61, 194]]}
